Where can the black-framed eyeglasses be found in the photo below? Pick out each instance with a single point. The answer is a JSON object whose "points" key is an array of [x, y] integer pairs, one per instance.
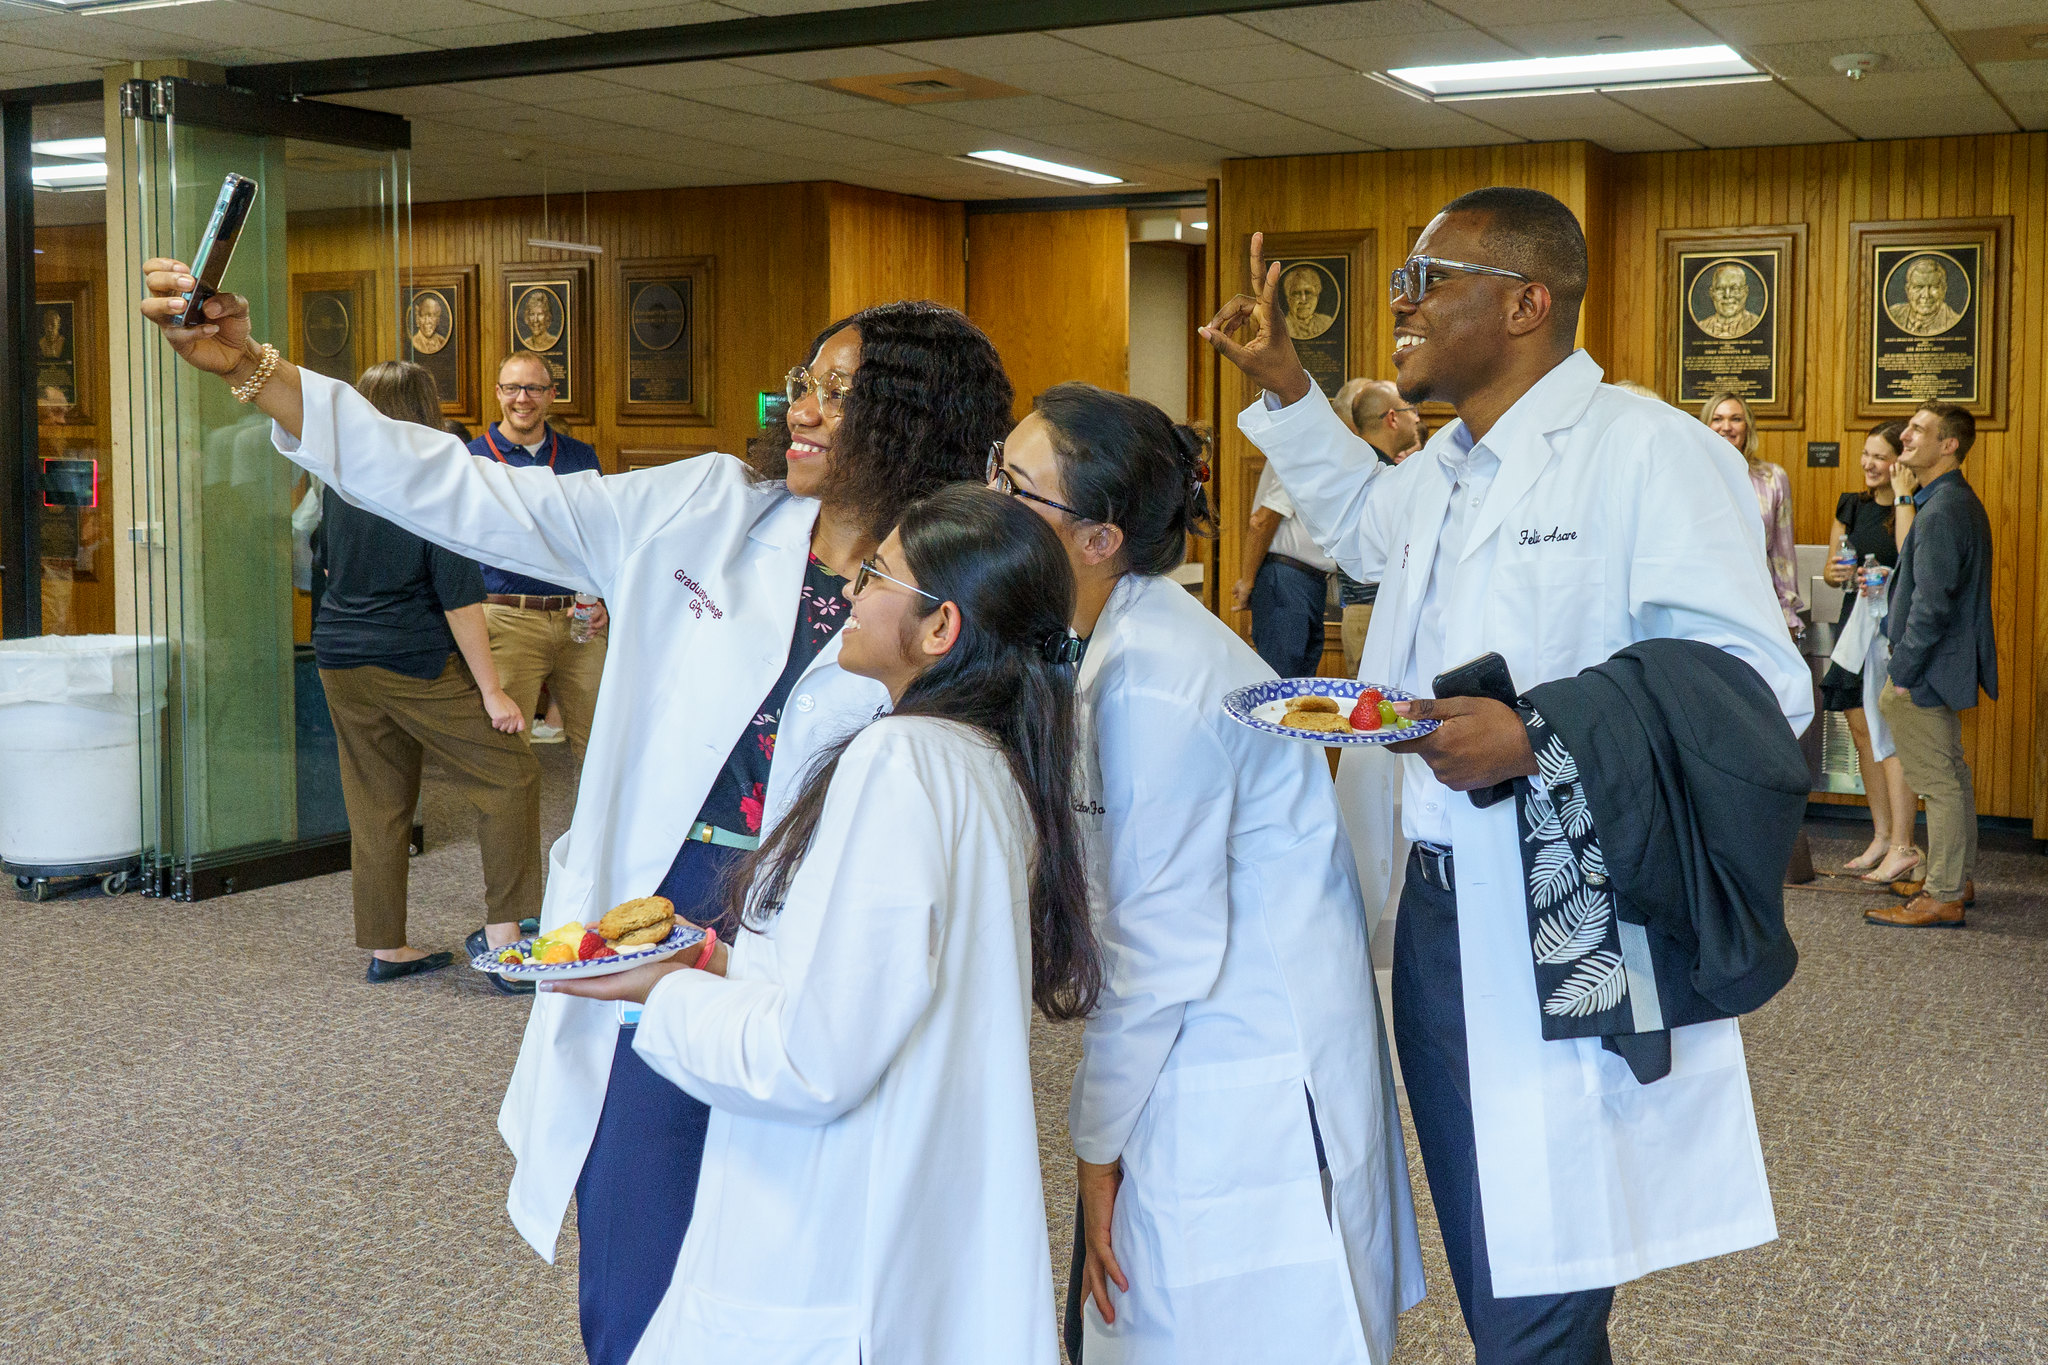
{"points": [[868, 571], [833, 388], [998, 478], [1412, 280], [530, 390]]}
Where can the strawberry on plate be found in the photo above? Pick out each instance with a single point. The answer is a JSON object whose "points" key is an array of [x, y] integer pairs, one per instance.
{"points": [[591, 946], [1366, 715]]}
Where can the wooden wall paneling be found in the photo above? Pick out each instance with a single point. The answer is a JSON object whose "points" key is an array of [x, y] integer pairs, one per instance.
{"points": [[1052, 290], [78, 598], [885, 247], [1828, 187]]}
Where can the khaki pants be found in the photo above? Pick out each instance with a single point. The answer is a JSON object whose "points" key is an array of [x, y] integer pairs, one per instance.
{"points": [[1356, 619], [1930, 744], [385, 724], [532, 649]]}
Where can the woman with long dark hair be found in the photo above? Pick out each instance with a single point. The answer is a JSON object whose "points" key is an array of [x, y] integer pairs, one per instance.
{"points": [[1244, 1193], [871, 1188], [721, 684]]}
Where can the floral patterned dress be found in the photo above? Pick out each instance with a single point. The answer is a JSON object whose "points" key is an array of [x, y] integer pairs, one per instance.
{"points": [[1774, 499], [736, 798]]}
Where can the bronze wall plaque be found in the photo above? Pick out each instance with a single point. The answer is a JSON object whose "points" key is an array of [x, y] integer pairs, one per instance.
{"points": [[1931, 319], [332, 325], [1732, 305], [1331, 324], [439, 334], [61, 398], [547, 313], [665, 309]]}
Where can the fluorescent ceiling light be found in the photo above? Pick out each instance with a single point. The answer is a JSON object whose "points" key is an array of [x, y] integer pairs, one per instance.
{"points": [[73, 147], [555, 244], [1713, 65], [1044, 170], [78, 175], [1199, 227]]}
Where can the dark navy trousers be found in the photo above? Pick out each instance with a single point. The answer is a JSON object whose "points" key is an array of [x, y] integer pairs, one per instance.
{"points": [[1288, 605], [639, 1183], [1429, 1026]]}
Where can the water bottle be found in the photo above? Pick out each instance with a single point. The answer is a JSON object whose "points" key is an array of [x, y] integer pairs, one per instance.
{"points": [[579, 618], [1845, 556], [1871, 580]]}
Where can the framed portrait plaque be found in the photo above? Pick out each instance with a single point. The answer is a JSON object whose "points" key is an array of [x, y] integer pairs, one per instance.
{"points": [[438, 332], [547, 311], [1931, 319], [332, 327], [61, 353], [1733, 319], [665, 312], [1331, 324]]}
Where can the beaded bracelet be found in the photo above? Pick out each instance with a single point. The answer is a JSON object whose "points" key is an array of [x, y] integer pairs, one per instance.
{"points": [[246, 391]]}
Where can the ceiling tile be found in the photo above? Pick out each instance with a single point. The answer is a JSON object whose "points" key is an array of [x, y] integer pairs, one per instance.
{"points": [[1142, 41], [416, 100], [1179, 102], [227, 23], [633, 108], [805, 6], [1010, 49], [1736, 115], [556, 10], [783, 98], [1968, 14], [2031, 109], [1595, 118], [1115, 138], [1623, 33], [1086, 73], [1417, 49], [1804, 21], [110, 39], [1019, 111], [661, 16], [842, 61], [2016, 78], [382, 16], [485, 35], [1312, 97], [1901, 52], [1889, 105], [1264, 134], [540, 90], [686, 78], [1267, 61], [1320, 25], [1498, 13], [369, 45], [902, 128]]}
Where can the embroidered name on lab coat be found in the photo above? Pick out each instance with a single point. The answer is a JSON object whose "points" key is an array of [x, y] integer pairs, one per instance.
{"points": [[700, 600], [1543, 537]]}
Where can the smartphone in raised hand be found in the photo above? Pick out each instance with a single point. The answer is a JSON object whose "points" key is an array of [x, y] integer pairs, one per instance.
{"points": [[217, 247]]}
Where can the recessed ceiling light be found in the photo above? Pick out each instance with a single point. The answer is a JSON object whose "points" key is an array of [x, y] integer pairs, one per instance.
{"points": [[1592, 71], [73, 147], [79, 175], [1032, 166]]}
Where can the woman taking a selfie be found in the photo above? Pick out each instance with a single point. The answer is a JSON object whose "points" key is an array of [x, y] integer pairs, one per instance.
{"points": [[1243, 1186], [871, 1189], [721, 683]]}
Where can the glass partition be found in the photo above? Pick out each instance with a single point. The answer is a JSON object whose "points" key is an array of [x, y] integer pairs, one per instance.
{"points": [[240, 779]]}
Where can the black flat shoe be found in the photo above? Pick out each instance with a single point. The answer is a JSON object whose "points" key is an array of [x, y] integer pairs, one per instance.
{"points": [[480, 940], [505, 987], [381, 971]]}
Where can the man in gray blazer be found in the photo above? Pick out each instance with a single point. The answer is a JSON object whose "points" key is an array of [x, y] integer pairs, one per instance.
{"points": [[1942, 653]]}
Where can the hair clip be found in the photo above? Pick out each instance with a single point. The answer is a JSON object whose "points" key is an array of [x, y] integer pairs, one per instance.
{"points": [[1202, 471], [1062, 647]]}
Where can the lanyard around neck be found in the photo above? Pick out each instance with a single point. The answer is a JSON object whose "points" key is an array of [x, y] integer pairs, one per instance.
{"points": [[554, 444]]}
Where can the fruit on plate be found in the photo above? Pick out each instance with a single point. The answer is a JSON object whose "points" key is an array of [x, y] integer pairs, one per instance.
{"points": [[554, 953], [1366, 715], [591, 945]]}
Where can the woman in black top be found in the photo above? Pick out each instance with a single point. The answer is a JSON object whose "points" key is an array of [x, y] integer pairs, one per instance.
{"points": [[1867, 522], [393, 613]]}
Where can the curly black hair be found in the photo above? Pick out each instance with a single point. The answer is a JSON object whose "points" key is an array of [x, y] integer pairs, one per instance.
{"points": [[929, 398]]}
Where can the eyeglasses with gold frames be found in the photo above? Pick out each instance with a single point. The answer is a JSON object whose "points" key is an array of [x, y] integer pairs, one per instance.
{"points": [[868, 572], [832, 389]]}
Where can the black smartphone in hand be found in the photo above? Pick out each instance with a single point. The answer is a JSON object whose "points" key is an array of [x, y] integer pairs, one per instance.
{"points": [[1485, 676], [217, 247]]}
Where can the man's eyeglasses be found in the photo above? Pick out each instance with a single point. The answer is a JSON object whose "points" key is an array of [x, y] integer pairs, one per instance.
{"points": [[869, 572], [833, 388], [530, 390], [998, 477], [1418, 273]]}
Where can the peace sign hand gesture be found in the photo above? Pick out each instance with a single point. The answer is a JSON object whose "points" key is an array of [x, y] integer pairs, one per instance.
{"points": [[1267, 357]]}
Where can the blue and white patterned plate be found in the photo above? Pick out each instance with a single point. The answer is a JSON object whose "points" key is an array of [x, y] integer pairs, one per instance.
{"points": [[683, 936], [1261, 705]]}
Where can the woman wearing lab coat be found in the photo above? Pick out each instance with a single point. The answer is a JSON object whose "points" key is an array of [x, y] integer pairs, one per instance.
{"points": [[1244, 1189], [721, 684], [871, 1189]]}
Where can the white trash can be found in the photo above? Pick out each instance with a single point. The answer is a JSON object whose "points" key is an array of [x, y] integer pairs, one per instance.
{"points": [[70, 766]]}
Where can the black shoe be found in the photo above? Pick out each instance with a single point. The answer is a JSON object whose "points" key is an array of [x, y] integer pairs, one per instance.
{"points": [[479, 940], [505, 987], [381, 971]]}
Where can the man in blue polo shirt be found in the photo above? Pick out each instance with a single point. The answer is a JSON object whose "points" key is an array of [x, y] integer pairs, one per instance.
{"points": [[529, 619]]}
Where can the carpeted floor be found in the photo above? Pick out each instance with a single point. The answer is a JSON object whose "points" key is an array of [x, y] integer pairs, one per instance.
{"points": [[217, 1143]]}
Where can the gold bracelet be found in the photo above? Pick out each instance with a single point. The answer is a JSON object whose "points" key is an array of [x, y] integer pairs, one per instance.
{"points": [[246, 391]]}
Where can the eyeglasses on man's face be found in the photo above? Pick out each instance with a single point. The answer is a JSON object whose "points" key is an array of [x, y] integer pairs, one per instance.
{"points": [[864, 579], [997, 476], [530, 390], [1418, 274], [831, 390]]}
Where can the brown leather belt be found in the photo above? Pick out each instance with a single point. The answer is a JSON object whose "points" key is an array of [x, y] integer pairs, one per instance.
{"points": [[525, 603], [1291, 562]]}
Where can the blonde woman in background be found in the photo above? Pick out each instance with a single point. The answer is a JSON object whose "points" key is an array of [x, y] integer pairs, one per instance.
{"points": [[1730, 418]]}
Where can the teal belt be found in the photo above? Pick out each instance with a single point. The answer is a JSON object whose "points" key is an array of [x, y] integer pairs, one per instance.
{"points": [[704, 832]]}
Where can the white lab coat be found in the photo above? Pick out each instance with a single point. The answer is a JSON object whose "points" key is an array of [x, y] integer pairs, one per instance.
{"points": [[1239, 981], [700, 566], [1613, 519], [870, 1189]]}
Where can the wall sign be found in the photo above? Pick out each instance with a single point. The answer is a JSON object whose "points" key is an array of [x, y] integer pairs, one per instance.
{"points": [[1732, 319], [333, 322], [1823, 454], [1330, 322], [1931, 316], [665, 309]]}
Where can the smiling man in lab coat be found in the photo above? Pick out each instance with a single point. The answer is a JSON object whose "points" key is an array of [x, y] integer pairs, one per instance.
{"points": [[1555, 522]]}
